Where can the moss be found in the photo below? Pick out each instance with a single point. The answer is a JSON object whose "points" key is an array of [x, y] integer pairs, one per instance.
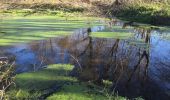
{"points": [[32, 84], [84, 91], [76, 92]]}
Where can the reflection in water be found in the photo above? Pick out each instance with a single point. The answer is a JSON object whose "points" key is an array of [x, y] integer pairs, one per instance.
{"points": [[143, 33], [138, 66]]}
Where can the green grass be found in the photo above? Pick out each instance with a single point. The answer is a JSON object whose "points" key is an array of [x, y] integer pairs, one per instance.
{"points": [[76, 92], [150, 13], [115, 35], [115, 32], [85, 91], [28, 37], [32, 85], [46, 12], [26, 29]]}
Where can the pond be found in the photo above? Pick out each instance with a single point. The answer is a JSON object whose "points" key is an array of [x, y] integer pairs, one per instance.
{"points": [[135, 59]]}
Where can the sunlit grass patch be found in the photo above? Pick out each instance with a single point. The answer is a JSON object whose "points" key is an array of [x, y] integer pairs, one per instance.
{"points": [[27, 29], [117, 35], [76, 92], [84, 91], [31, 85], [13, 38], [46, 77]]}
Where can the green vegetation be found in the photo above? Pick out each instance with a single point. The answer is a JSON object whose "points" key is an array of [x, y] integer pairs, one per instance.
{"points": [[115, 32], [46, 12], [76, 92], [41, 6], [151, 13], [115, 35], [39, 28], [28, 37], [144, 11], [26, 21], [84, 92], [6, 76], [33, 84], [55, 82]]}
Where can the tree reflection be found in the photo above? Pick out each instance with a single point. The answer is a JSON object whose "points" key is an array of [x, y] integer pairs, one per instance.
{"points": [[101, 59]]}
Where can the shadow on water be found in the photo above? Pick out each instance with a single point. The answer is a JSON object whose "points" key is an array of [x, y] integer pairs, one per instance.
{"points": [[136, 66]]}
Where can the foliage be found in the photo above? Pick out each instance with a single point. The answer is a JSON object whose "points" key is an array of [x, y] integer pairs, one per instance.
{"points": [[152, 13], [6, 76]]}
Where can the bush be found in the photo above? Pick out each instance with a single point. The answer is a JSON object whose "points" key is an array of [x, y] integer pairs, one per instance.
{"points": [[145, 13]]}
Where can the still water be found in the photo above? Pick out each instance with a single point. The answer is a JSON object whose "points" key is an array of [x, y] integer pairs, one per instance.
{"points": [[137, 62]]}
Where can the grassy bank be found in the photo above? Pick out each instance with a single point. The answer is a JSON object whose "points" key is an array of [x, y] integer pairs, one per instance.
{"points": [[39, 7], [54, 83], [150, 13], [155, 13]]}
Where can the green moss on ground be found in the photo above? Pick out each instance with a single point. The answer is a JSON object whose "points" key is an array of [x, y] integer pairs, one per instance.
{"points": [[84, 91], [32, 85], [76, 92]]}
